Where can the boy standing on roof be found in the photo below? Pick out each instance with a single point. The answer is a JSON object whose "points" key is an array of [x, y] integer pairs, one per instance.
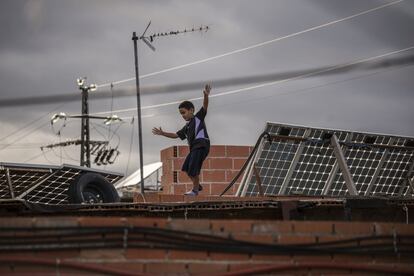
{"points": [[196, 133]]}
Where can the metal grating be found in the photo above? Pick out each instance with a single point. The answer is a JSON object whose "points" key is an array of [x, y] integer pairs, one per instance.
{"points": [[301, 160], [41, 184]]}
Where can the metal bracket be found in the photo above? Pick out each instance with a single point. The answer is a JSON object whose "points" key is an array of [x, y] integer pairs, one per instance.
{"points": [[334, 172], [9, 182], [343, 166], [295, 161], [258, 180]]}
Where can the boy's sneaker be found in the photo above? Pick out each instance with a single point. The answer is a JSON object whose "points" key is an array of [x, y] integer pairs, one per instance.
{"points": [[191, 193]]}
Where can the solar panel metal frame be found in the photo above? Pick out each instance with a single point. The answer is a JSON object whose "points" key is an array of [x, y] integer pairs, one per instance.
{"points": [[41, 183], [368, 157]]}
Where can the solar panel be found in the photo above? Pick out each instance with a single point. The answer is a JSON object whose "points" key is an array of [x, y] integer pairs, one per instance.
{"points": [[307, 161], [42, 184]]}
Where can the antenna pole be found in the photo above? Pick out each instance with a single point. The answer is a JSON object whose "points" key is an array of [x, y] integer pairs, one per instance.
{"points": [[147, 40], [141, 158]]}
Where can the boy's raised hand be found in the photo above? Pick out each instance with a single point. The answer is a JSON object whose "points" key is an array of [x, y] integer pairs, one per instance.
{"points": [[157, 131], [207, 89]]}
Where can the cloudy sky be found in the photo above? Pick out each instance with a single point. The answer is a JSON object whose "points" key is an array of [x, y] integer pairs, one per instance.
{"points": [[46, 44]]}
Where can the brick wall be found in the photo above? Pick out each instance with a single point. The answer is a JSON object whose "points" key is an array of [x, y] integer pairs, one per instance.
{"points": [[220, 167], [161, 261]]}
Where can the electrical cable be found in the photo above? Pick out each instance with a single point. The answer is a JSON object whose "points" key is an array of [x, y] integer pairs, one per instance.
{"points": [[280, 268], [24, 136], [236, 91], [256, 45], [147, 237], [68, 264], [36, 156], [30, 123]]}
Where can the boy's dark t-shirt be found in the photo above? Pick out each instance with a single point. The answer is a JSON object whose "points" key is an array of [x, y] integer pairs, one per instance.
{"points": [[195, 131]]}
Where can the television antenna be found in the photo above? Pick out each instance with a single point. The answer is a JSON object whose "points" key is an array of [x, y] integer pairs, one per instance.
{"points": [[147, 40]]}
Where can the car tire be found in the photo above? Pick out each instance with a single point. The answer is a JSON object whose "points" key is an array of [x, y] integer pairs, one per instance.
{"points": [[92, 188]]}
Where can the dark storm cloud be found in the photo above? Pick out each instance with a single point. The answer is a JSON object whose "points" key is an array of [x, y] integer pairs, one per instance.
{"points": [[220, 83], [46, 44]]}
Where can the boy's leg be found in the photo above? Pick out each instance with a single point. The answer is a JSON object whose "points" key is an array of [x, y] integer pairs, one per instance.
{"points": [[196, 182]]}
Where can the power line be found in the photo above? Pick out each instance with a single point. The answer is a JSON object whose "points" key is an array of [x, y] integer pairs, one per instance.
{"points": [[255, 45], [287, 93], [30, 123], [315, 73], [24, 136]]}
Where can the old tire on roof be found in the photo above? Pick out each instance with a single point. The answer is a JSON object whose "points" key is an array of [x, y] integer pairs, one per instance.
{"points": [[92, 188]]}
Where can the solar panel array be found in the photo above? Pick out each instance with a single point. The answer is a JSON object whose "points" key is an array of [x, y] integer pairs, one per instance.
{"points": [[301, 160], [41, 184]]}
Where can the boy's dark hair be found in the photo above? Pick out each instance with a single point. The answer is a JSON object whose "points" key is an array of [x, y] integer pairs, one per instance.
{"points": [[186, 104]]}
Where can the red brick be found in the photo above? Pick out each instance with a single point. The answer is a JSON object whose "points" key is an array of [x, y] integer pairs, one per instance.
{"points": [[266, 239], [100, 221], [273, 258], [167, 153], [231, 226], [272, 227], [228, 256], [174, 197], [206, 164], [183, 151], [167, 166], [150, 197], [217, 189], [221, 163], [17, 222], [187, 255], [238, 163], [354, 228], [238, 151], [214, 176], [147, 222], [404, 229], [230, 174], [207, 268], [179, 189], [166, 268], [334, 238], [193, 225], [55, 222], [314, 227], [217, 151], [102, 253], [313, 258], [177, 163], [126, 266], [33, 269], [296, 239], [343, 258], [183, 178], [61, 254], [138, 253], [384, 228], [206, 189], [167, 178]]}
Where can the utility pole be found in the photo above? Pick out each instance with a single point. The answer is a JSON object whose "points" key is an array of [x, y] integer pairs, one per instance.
{"points": [[104, 155], [144, 38], [85, 153]]}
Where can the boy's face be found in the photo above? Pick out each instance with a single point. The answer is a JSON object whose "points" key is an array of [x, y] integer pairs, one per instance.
{"points": [[187, 113]]}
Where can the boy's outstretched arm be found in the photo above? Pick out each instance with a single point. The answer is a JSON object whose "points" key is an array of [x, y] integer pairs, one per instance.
{"points": [[206, 93], [159, 131]]}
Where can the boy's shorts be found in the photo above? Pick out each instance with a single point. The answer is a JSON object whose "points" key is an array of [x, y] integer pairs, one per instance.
{"points": [[194, 161]]}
